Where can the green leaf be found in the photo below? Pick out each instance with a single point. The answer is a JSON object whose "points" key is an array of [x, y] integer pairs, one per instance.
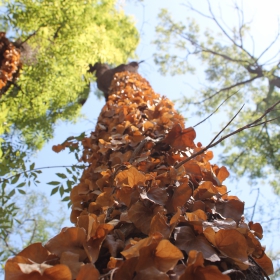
{"points": [[61, 191], [68, 170], [21, 185], [61, 175], [21, 191], [54, 190], [53, 183], [15, 179], [11, 193], [32, 166], [69, 184], [66, 198]]}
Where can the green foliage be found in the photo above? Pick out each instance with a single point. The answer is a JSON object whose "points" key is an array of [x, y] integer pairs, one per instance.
{"points": [[58, 40], [33, 223], [15, 173], [61, 38], [234, 75]]}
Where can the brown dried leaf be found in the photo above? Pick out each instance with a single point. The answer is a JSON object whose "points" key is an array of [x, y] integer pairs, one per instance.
{"points": [[92, 246], [141, 215], [131, 177], [266, 264], [126, 270], [232, 208], [151, 273], [88, 272], [133, 251], [157, 195], [113, 244], [20, 268], [222, 174], [233, 244], [181, 194], [196, 271], [186, 240], [69, 239], [257, 229], [72, 261], [167, 255], [159, 224], [180, 139], [216, 225], [36, 253], [205, 190]]}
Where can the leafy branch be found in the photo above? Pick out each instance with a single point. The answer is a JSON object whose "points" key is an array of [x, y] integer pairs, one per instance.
{"points": [[38, 169]]}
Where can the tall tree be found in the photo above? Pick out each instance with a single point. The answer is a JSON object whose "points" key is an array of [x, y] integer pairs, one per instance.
{"points": [[235, 74]]}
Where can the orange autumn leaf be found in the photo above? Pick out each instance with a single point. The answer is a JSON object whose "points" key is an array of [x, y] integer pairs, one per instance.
{"points": [[205, 190], [88, 272], [126, 270], [151, 273], [257, 229], [159, 224], [186, 240], [131, 177], [181, 195], [179, 138], [166, 255], [266, 263], [72, 261], [20, 268], [232, 243], [196, 270], [69, 239], [133, 251], [36, 253], [222, 174], [142, 216], [58, 148]]}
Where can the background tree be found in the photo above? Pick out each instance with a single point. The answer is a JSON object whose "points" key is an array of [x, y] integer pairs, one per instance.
{"points": [[57, 40], [235, 74], [33, 223]]}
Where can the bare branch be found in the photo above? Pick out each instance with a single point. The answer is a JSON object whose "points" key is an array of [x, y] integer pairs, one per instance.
{"points": [[214, 143], [40, 168], [216, 109], [226, 34], [256, 201], [270, 45], [225, 89]]}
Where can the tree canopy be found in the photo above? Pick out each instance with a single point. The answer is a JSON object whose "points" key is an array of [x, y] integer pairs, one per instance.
{"points": [[58, 39], [235, 74]]}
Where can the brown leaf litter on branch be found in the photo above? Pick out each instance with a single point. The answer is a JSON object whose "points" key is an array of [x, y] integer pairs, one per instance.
{"points": [[9, 63], [139, 217]]}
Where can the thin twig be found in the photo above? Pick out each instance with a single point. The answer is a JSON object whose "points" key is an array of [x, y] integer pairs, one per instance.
{"points": [[216, 109], [40, 168], [224, 89], [214, 143], [256, 201]]}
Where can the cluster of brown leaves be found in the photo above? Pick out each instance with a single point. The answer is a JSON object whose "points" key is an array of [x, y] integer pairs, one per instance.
{"points": [[9, 61], [139, 217]]}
